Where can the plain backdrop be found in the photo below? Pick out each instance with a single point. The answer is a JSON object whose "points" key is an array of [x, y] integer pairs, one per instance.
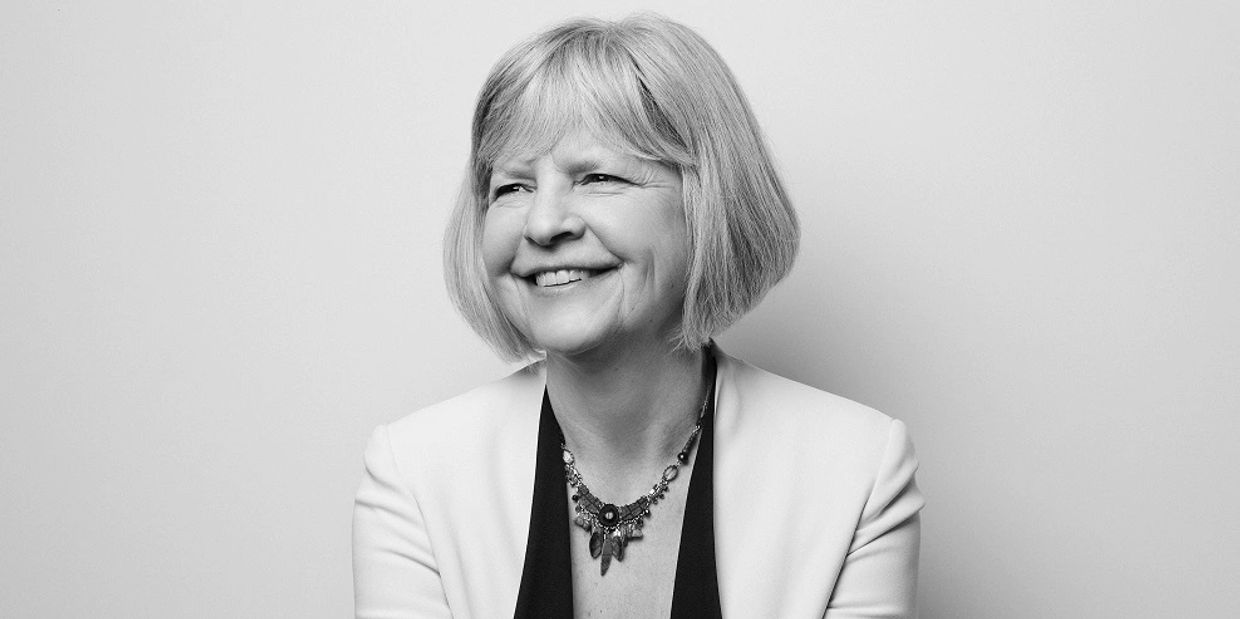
{"points": [[220, 269]]}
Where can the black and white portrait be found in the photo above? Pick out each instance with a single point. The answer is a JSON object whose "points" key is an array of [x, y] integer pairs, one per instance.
{"points": [[422, 309]]}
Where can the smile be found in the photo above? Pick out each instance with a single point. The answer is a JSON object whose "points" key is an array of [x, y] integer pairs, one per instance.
{"points": [[561, 277]]}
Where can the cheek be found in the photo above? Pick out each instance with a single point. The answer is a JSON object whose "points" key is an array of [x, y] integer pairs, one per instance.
{"points": [[674, 247], [674, 271], [499, 241]]}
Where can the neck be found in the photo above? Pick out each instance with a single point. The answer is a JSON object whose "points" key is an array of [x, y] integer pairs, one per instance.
{"points": [[626, 416]]}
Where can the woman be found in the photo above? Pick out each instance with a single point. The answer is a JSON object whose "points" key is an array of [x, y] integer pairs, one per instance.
{"points": [[620, 209]]}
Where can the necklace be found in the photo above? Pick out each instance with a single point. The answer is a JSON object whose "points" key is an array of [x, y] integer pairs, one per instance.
{"points": [[611, 526]]}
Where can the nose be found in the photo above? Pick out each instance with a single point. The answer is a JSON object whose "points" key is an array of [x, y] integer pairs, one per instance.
{"points": [[551, 219]]}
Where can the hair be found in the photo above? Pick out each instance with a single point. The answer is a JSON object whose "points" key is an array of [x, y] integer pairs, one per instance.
{"points": [[655, 89]]}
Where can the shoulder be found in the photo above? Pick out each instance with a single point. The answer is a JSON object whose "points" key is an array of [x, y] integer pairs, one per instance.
{"points": [[447, 488], [788, 409], [477, 407], [836, 473], [773, 424], [472, 425]]}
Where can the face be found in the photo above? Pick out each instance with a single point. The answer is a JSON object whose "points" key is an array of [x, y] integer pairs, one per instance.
{"points": [[586, 248]]}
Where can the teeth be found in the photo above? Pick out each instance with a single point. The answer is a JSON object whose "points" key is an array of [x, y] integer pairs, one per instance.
{"points": [[547, 279]]}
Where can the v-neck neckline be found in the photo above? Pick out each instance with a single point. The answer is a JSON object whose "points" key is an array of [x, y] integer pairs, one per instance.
{"points": [[547, 577]]}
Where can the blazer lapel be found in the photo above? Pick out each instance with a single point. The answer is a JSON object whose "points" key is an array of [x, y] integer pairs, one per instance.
{"points": [[745, 532]]}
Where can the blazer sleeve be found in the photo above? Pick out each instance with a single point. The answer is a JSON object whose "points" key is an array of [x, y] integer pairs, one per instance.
{"points": [[879, 576], [394, 570]]}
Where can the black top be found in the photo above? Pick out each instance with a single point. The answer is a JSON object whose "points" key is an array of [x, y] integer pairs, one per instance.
{"points": [[547, 578]]}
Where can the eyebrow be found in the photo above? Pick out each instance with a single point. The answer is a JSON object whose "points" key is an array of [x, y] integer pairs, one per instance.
{"points": [[577, 166], [511, 165], [523, 166]]}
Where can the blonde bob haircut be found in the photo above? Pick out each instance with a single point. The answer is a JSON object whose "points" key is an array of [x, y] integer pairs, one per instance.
{"points": [[652, 88]]}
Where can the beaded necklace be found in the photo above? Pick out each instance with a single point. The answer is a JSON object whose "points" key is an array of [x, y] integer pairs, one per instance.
{"points": [[611, 526]]}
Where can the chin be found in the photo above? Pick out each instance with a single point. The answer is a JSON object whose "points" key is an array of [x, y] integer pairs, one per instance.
{"points": [[566, 345], [573, 342]]}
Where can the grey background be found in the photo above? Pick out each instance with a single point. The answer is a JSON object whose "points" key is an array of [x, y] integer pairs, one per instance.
{"points": [[219, 265]]}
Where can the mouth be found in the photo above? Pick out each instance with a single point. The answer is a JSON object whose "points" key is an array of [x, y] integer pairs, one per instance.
{"points": [[562, 277]]}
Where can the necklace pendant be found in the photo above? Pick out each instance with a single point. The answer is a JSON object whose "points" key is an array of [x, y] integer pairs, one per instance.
{"points": [[596, 544], [618, 542], [608, 543], [606, 562], [609, 515], [613, 543]]}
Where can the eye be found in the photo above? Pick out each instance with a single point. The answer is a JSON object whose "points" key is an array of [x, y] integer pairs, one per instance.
{"points": [[594, 179], [504, 190]]}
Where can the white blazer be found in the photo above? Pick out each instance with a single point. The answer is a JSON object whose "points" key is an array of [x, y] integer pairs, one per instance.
{"points": [[816, 507]]}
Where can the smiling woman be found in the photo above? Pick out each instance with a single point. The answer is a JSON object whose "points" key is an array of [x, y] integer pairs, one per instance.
{"points": [[619, 211], [585, 247]]}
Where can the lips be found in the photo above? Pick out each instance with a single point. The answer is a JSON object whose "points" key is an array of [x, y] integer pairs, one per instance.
{"points": [[560, 277]]}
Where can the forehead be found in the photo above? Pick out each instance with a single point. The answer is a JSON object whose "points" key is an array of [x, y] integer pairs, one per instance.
{"points": [[574, 149]]}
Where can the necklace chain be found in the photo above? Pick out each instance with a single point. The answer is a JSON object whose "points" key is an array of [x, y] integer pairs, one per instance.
{"points": [[611, 526]]}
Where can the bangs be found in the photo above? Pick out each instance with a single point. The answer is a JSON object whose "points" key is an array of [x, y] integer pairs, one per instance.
{"points": [[588, 84]]}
